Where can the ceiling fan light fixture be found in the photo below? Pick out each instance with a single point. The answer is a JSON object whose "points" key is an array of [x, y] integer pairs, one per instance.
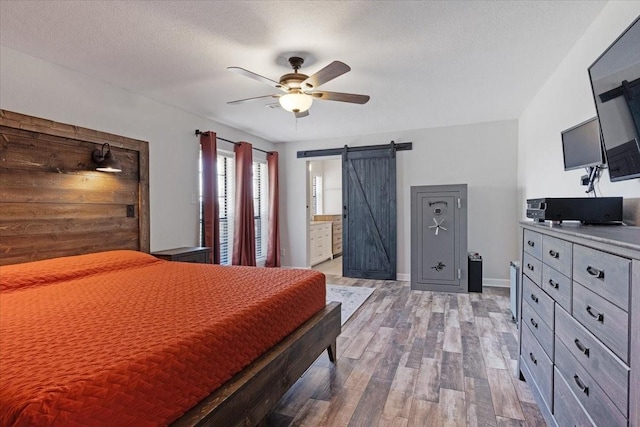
{"points": [[296, 102]]}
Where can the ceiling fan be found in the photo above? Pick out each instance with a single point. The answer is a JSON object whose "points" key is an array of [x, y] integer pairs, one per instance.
{"points": [[300, 90]]}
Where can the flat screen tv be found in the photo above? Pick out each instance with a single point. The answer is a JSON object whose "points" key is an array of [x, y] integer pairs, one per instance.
{"points": [[581, 146], [615, 83]]}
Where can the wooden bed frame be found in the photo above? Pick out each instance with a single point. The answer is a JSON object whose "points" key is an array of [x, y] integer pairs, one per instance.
{"points": [[50, 192]]}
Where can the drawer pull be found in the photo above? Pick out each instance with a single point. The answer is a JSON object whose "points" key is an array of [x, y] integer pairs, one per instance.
{"points": [[598, 316], [581, 347], [534, 323], [531, 243], [554, 254], [581, 386], [530, 267], [533, 359], [594, 272], [534, 298], [553, 284]]}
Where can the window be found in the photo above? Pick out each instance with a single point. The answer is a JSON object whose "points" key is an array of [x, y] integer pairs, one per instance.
{"points": [[316, 195], [226, 196], [260, 204]]}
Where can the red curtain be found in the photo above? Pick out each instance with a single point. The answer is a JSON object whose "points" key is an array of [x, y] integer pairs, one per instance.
{"points": [[210, 194], [244, 236], [273, 240]]}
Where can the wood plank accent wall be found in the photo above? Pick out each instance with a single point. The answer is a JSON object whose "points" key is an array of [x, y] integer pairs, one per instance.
{"points": [[52, 200]]}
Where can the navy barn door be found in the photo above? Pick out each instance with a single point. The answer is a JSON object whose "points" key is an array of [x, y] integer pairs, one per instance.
{"points": [[369, 217]]}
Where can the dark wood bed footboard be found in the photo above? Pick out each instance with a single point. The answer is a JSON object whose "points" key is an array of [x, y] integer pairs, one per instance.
{"points": [[249, 396]]}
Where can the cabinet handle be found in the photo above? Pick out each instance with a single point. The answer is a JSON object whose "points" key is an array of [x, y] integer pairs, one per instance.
{"points": [[530, 267], [598, 316], [533, 359], [581, 347], [534, 323], [594, 272], [553, 284], [581, 386], [531, 243], [554, 254], [534, 298]]}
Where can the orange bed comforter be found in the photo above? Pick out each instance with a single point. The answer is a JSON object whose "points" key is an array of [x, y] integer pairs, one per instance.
{"points": [[122, 338]]}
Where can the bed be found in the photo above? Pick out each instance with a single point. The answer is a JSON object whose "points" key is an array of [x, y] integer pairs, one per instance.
{"points": [[123, 338], [115, 334]]}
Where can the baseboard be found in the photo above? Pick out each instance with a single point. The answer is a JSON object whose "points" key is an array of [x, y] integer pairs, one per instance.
{"points": [[403, 277], [498, 283], [406, 277]]}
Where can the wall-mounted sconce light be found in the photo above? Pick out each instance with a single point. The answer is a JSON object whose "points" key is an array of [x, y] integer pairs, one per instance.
{"points": [[105, 160]]}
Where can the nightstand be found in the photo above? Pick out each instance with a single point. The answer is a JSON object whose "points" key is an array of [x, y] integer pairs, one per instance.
{"points": [[189, 254]]}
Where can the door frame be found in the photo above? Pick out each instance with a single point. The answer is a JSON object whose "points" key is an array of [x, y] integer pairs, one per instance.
{"points": [[334, 152]]}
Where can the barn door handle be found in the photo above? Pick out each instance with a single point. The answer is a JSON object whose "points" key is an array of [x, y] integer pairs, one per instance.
{"points": [[344, 215], [554, 254], [594, 272]]}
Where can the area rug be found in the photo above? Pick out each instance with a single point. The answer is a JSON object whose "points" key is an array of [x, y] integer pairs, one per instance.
{"points": [[351, 297]]}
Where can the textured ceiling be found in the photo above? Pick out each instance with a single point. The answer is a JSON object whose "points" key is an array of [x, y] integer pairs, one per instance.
{"points": [[424, 64]]}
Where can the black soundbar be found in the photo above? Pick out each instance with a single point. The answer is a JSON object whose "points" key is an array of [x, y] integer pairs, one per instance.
{"points": [[597, 210]]}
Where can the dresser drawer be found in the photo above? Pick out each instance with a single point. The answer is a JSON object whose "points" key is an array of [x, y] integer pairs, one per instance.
{"points": [[532, 267], [541, 303], [597, 404], [313, 232], [539, 365], [532, 243], [606, 321], [566, 408], [603, 273], [557, 253], [538, 328], [557, 285], [604, 367]]}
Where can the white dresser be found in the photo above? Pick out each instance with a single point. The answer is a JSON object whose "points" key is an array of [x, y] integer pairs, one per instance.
{"points": [[319, 242], [580, 331]]}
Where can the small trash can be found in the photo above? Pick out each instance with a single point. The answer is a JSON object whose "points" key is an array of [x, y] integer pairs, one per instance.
{"points": [[475, 272]]}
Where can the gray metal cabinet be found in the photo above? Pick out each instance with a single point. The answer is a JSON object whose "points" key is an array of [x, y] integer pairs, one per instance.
{"points": [[589, 297], [439, 238]]}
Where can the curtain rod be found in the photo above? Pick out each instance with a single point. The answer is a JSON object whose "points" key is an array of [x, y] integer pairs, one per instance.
{"points": [[198, 132]]}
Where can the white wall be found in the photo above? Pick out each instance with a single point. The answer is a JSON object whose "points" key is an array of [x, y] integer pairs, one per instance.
{"points": [[332, 191], [566, 100], [484, 156], [38, 88]]}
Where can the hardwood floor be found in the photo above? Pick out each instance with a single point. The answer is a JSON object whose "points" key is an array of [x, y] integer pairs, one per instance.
{"points": [[412, 358]]}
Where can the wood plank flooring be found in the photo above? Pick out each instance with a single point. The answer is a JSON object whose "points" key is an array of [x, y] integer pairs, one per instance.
{"points": [[412, 358]]}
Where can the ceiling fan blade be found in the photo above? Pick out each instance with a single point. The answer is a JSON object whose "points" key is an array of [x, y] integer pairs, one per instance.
{"points": [[258, 77], [240, 101], [330, 72], [342, 97], [302, 114]]}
